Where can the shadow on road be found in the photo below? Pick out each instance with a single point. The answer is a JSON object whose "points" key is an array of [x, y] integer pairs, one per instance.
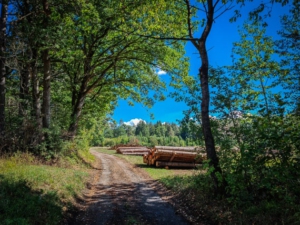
{"points": [[127, 203]]}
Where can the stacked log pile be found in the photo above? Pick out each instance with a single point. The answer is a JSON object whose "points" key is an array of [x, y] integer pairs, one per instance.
{"points": [[133, 150], [115, 147], [166, 156]]}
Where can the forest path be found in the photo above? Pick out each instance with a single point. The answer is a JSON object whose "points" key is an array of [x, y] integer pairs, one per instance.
{"points": [[124, 194]]}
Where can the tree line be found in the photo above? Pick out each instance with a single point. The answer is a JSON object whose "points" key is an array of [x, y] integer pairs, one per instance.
{"points": [[146, 134]]}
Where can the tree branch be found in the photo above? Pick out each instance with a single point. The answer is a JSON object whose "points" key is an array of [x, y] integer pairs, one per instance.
{"points": [[188, 7]]}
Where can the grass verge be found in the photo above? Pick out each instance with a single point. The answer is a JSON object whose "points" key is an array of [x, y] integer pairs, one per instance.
{"points": [[33, 193]]}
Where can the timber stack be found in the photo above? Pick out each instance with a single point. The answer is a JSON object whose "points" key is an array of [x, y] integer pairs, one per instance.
{"points": [[140, 150], [166, 156], [115, 147]]}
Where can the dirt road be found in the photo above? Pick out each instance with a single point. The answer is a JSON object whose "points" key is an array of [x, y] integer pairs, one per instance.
{"points": [[124, 194]]}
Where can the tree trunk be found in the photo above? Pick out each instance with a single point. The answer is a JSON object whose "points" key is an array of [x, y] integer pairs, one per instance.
{"points": [[35, 90], [24, 90], [203, 76], [78, 99], [46, 90], [25, 69], [77, 109], [206, 128], [2, 65], [47, 73]]}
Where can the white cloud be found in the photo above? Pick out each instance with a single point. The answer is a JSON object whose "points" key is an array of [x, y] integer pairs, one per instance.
{"points": [[160, 72], [133, 122], [236, 114], [212, 117]]}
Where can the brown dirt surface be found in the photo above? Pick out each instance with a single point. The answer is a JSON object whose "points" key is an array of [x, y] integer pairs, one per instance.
{"points": [[123, 194]]}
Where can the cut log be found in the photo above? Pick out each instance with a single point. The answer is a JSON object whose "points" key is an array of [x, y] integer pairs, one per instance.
{"points": [[134, 150], [126, 148], [174, 154], [144, 152], [176, 164], [134, 153], [153, 161], [145, 160], [181, 153], [123, 152], [186, 149], [122, 145], [140, 149], [166, 156], [177, 156]]}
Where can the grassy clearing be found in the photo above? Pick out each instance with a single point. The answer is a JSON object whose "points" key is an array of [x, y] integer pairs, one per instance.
{"points": [[33, 193], [154, 172]]}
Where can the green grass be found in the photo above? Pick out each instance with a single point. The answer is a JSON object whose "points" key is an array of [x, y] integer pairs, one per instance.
{"points": [[32, 193]]}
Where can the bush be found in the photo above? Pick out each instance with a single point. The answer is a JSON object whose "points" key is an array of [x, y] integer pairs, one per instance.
{"points": [[263, 176], [109, 142]]}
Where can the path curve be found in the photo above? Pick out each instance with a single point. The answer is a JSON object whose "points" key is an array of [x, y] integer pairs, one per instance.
{"points": [[123, 194]]}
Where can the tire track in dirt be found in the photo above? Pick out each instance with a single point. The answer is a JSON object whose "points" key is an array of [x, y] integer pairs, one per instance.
{"points": [[123, 195]]}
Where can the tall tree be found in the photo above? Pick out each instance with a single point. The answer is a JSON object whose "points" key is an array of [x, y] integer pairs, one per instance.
{"points": [[3, 19], [47, 70], [103, 58], [40, 21], [209, 7], [210, 11], [255, 69], [27, 52]]}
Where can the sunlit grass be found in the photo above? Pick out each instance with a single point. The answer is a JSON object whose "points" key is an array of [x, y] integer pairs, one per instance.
{"points": [[32, 193], [44, 177]]}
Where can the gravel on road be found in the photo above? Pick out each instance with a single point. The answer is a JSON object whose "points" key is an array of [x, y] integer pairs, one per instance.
{"points": [[122, 194]]}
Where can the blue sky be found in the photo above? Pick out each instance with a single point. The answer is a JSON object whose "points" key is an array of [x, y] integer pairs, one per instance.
{"points": [[220, 40]]}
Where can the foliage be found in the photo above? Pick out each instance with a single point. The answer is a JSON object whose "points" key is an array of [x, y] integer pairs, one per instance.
{"points": [[288, 49], [82, 57], [148, 134], [260, 159], [256, 126]]}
